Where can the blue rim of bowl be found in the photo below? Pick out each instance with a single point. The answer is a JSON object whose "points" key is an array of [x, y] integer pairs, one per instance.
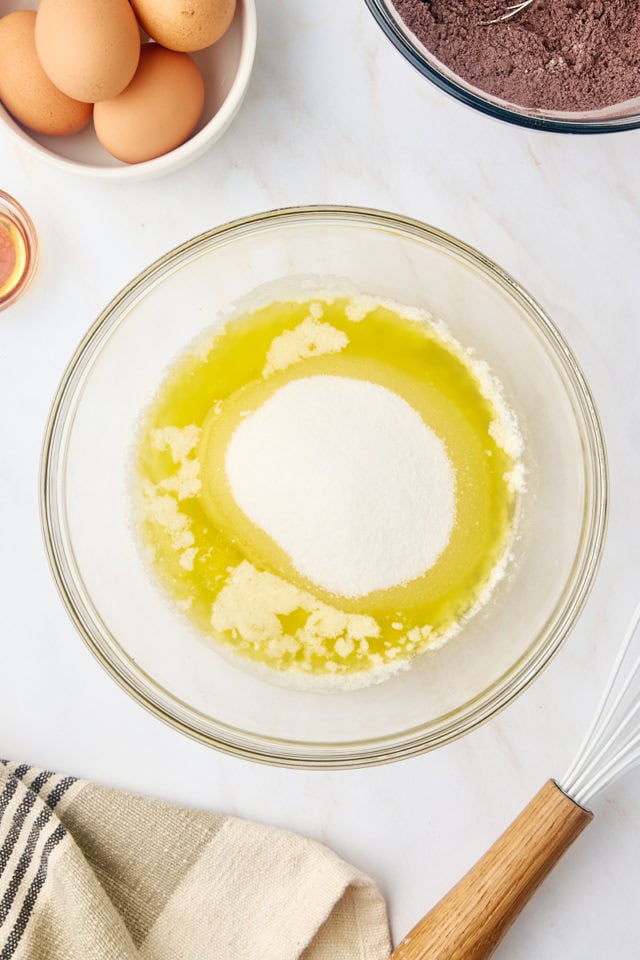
{"points": [[401, 39], [293, 753]]}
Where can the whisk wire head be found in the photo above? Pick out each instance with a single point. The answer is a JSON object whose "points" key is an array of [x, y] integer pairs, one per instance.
{"points": [[511, 11], [612, 745]]}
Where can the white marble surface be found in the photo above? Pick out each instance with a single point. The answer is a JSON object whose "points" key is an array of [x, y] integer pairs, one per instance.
{"points": [[335, 115]]}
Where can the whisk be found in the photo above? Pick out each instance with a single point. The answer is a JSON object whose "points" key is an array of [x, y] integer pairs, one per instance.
{"points": [[511, 11], [468, 923]]}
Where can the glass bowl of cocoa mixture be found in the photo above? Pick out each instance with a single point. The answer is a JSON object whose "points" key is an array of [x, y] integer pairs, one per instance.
{"points": [[591, 71], [146, 644]]}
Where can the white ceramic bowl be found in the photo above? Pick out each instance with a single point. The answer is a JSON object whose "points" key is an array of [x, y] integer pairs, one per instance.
{"points": [[226, 67]]}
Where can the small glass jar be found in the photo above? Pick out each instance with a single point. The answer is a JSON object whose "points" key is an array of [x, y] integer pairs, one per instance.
{"points": [[18, 250]]}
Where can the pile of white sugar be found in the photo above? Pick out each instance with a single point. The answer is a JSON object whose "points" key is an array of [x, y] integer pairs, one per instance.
{"points": [[348, 480]]}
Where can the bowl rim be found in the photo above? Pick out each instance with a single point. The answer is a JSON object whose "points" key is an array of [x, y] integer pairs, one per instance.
{"points": [[190, 150], [546, 122], [293, 753]]}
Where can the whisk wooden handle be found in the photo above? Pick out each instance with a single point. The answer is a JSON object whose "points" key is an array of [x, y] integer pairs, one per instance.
{"points": [[468, 923]]}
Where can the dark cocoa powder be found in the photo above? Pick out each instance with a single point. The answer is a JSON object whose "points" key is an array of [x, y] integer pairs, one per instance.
{"points": [[556, 55]]}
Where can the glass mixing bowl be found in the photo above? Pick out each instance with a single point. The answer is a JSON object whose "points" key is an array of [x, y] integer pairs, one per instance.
{"points": [[620, 116], [155, 654]]}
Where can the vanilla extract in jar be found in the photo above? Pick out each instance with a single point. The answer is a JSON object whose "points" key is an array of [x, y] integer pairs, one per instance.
{"points": [[18, 250]]}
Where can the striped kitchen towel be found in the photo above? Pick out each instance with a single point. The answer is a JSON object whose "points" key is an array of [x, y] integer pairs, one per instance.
{"points": [[92, 873]]}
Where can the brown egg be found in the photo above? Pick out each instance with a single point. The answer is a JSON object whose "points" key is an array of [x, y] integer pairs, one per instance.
{"points": [[26, 90], [88, 48], [185, 24], [157, 112]]}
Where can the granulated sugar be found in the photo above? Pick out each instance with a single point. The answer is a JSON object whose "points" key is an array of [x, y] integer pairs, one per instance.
{"points": [[345, 476], [567, 55]]}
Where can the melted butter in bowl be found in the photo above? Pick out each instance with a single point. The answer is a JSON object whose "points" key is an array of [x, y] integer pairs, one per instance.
{"points": [[328, 488]]}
